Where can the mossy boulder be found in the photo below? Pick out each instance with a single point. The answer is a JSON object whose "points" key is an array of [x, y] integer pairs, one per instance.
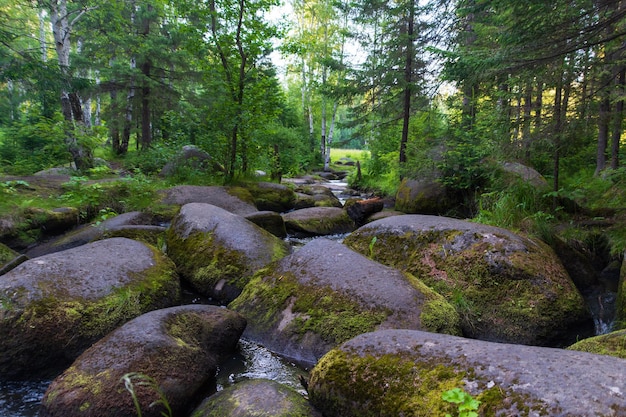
{"points": [[613, 344], [319, 195], [217, 252], [517, 171], [391, 373], [507, 288], [55, 306], [175, 351], [237, 200], [424, 196], [258, 398], [194, 158], [318, 221], [269, 220], [324, 294], [89, 233], [271, 196]]}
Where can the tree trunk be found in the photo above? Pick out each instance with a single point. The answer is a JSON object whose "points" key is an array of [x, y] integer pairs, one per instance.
{"points": [[617, 120], [146, 67], [408, 84], [604, 118], [70, 102]]}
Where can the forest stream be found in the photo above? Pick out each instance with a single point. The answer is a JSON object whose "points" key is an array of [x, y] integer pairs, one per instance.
{"points": [[252, 361]]}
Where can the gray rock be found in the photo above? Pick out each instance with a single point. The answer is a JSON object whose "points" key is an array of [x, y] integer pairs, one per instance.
{"points": [[526, 174], [258, 398], [224, 197], [324, 293], [191, 156], [269, 196], [424, 196], [269, 220], [55, 306], [175, 350], [318, 221], [217, 252], [506, 287], [403, 372]]}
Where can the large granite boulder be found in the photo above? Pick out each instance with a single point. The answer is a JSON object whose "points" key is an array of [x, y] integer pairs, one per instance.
{"points": [[217, 252], [237, 200], [526, 174], [258, 398], [391, 373], [424, 196], [191, 157], [169, 355], [55, 306], [324, 294], [318, 221], [270, 196], [507, 288]]}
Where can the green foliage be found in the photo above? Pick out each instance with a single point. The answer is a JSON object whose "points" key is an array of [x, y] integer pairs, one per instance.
{"points": [[33, 144], [105, 198], [133, 379], [467, 405], [520, 206]]}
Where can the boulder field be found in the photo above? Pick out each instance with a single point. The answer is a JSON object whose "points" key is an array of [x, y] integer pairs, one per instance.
{"points": [[377, 316]]}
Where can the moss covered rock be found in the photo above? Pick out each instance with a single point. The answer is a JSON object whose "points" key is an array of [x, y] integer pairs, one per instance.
{"points": [[6, 254], [324, 294], [89, 233], [507, 288], [613, 344], [269, 220], [217, 252], [318, 195], [425, 196], [166, 355], [271, 196], [55, 306], [393, 373], [258, 398], [318, 221]]}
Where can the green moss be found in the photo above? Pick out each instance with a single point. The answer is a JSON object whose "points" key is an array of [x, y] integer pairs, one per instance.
{"points": [[612, 344], [519, 301], [6, 254], [203, 260], [334, 316], [387, 385], [347, 384]]}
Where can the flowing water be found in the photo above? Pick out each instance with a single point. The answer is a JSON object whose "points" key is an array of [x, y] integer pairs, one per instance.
{"points": [[251, 361]]}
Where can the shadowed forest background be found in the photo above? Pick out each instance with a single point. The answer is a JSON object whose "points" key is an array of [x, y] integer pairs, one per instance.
{"points": [[436, 90]]}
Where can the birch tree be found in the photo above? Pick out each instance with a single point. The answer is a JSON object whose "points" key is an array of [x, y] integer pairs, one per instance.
{"points": [[63, 20]]}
